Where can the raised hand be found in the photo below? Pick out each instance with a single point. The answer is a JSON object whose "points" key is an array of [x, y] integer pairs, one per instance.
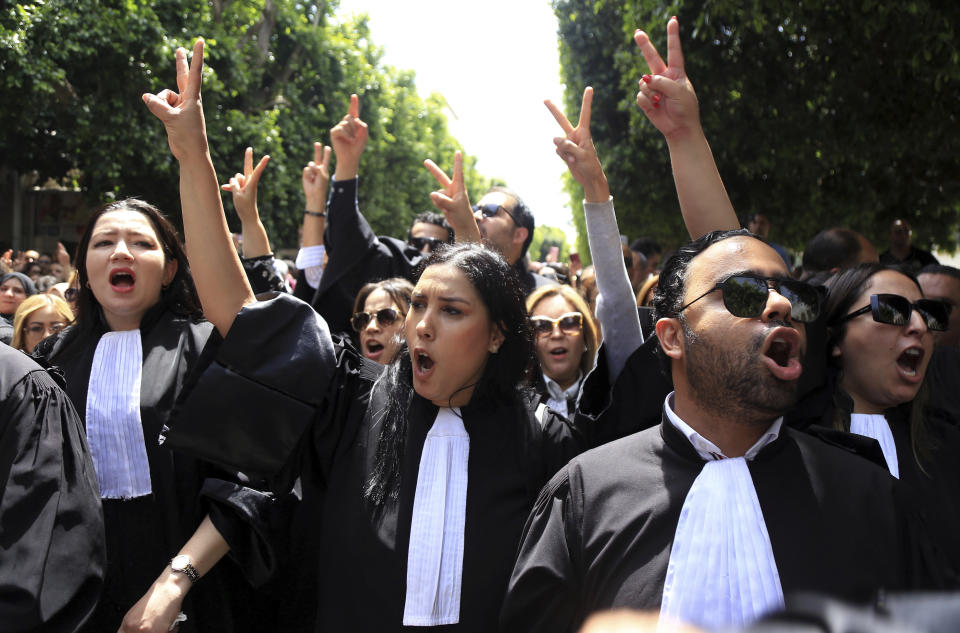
{"points": [[63, 257], [577, 150], [6, 261], [182, 112], [349, 139], [453, 200], [666, 95], [316, 177], [244, 187]]}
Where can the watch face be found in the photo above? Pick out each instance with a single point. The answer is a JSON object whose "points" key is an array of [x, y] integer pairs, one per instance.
{"points": [[179, 563]]}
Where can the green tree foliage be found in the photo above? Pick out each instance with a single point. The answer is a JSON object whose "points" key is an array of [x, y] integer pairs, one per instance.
{"points": [[279, 75], [543, 238], [819, 113]]}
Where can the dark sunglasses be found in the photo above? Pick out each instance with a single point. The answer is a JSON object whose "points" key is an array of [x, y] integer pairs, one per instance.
{"points": [[896, 310], [569, 323], [387, 317], [490, 209], [746, 296], [420, 242]]}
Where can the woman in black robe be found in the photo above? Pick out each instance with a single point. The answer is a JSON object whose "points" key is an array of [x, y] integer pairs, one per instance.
{"points": [[134, 280], [878, 370], [315, 409]]}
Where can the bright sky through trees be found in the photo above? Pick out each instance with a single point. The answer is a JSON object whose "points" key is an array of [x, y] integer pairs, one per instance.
{"points": [[494, 62]]}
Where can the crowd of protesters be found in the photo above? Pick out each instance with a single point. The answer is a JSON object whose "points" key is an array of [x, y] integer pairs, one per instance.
{"points": [[433, 430]]}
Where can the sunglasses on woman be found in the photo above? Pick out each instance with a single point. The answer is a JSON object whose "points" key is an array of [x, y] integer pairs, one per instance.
{"points": [[569, 323], [746, 296], [385, 317], [896, 310], [39, 328]]}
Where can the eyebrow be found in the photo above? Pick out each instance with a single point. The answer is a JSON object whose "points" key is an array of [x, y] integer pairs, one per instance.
{"points": [[420, 295], [114, 231]]}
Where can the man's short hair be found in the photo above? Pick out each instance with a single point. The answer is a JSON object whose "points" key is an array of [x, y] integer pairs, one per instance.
{"points": [[520, 213], [673, 279], [429, 217], [940, 269], [669, 295], [646, 245], [832, 248]]}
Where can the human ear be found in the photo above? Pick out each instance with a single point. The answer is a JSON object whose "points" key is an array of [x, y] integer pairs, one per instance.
{"points": [[520, 234], [496, 338], [169, 271], [670, 335]]}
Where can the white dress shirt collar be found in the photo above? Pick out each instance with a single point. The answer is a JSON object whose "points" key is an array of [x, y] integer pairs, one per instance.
{"points": [[706, 449]]}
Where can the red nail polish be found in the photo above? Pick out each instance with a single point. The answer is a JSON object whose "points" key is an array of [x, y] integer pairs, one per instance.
{"points": [[656, 105], [656, 98], [674, 18], [647, 79]]}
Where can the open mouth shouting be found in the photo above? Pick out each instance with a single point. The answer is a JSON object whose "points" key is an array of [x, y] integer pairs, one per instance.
{"points": [[910, 362], [373, 349], [781, 353], [122, 280], [423, 364]]}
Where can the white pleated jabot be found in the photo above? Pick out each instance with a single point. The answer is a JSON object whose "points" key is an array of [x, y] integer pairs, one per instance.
{"points": [[877, 427], [435, 554], [114, 429], [721, 571]]}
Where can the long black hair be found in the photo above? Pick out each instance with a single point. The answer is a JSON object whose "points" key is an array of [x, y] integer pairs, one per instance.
{"points": [[179, 296], [845, 288], [500, 291]]}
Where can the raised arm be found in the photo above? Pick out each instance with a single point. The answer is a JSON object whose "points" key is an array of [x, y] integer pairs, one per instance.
{"points": [[316, 177], [217, 273], [616, 305], [349, 139], [244, 189], [453, 200], [666, 96]]}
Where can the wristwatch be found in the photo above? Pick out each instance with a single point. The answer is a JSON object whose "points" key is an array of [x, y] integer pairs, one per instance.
{"points": [[183, 565]]}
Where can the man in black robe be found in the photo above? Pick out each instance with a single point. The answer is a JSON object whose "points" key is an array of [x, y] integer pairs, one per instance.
{"points": [[52, 556], [605, 529]]}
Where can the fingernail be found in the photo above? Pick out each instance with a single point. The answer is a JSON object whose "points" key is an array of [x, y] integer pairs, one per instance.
{"points": [[647, 79], [674, 18], [656, 98]]}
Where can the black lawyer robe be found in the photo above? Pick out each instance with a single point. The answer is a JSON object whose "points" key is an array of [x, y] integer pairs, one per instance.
{"points": [[143, 534], [52, 554], [601, 532], [363, 557]]}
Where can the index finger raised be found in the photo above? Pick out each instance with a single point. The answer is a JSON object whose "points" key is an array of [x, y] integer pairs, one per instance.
{"points": [[559, 116], [654, 61], [437, 173], [354, 110]]}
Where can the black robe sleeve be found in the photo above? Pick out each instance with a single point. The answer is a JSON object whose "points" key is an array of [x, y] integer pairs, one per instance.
{"points": [[257, 399], [262, 275], [356, 256], [52, 557], [543, 594]]}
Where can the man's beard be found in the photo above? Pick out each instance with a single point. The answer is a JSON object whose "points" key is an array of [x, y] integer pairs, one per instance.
{"points": [[734, 383]]}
